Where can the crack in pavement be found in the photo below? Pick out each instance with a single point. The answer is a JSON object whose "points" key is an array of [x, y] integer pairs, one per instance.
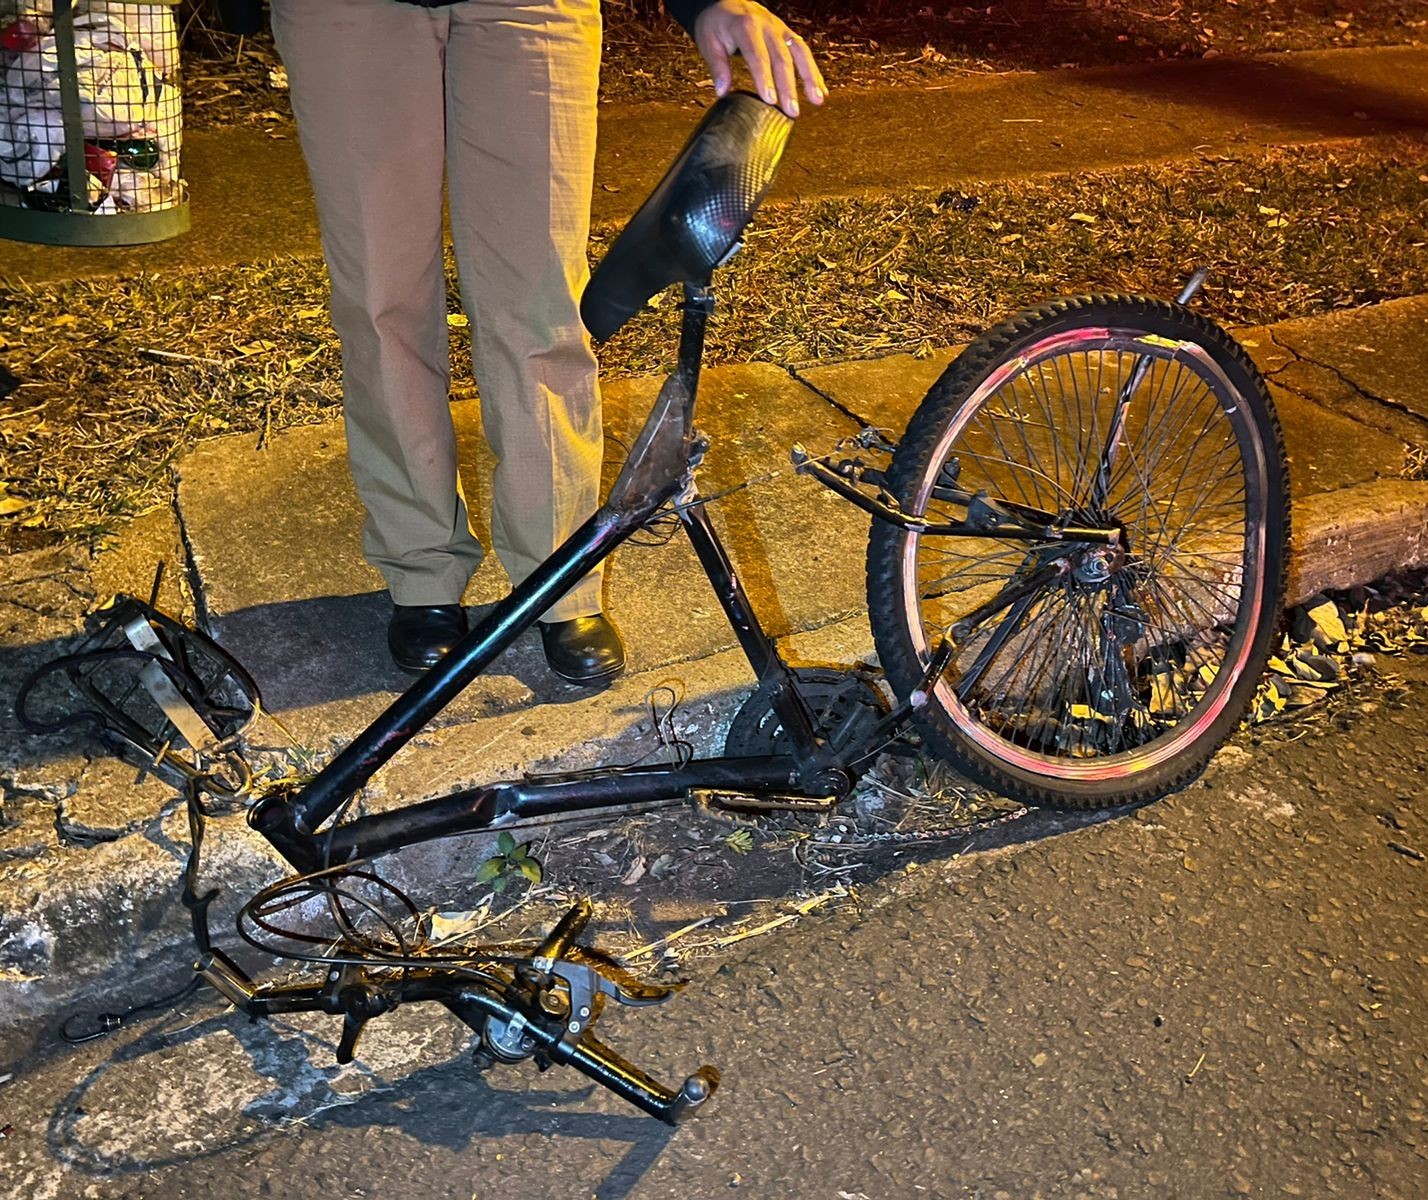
{"points": [[827, 397], [1397, 407], [202, 614]]}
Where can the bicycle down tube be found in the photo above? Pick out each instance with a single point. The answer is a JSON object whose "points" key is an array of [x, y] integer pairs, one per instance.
{"points": [[658, 468]]}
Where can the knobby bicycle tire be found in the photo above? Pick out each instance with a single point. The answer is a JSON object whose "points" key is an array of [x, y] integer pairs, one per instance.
{"points": [[1087, 677]]}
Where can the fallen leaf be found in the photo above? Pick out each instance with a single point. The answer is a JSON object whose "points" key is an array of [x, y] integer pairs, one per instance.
{"points": [[1326, 618]]}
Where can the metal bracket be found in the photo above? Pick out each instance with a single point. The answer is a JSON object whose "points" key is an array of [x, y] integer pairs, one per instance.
{"points": [[186, 720]]}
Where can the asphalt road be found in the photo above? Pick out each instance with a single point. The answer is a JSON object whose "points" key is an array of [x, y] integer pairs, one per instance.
{"points": [[1223, 994]]}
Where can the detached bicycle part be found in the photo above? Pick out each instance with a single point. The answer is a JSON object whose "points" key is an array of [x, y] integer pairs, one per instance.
{"points": [[542, 1005], [159, 694]]}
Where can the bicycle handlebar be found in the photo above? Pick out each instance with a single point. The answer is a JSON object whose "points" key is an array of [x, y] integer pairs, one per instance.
{"points": [[593, 1058]]}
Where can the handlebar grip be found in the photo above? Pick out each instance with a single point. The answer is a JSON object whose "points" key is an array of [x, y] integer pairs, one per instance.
{"points": [[696, 1090], [595, 1059]]}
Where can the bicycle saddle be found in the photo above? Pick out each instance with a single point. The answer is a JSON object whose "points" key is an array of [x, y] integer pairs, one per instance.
{"points": [[693, 219]]}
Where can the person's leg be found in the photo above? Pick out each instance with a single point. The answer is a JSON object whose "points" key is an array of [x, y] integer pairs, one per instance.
{"points": [[367, 87], [521, 110]]}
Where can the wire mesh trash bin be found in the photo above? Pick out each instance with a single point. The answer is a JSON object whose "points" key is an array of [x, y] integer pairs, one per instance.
{"points": [[91, 122]]}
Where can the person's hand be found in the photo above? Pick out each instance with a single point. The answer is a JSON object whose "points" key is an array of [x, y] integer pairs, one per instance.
{"points": [[776, 56]]}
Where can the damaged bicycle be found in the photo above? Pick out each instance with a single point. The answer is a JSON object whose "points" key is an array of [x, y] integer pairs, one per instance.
{"points": [[1074, 573]]}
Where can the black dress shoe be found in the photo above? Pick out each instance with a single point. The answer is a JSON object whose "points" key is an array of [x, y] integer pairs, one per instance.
{"points": [[585, 650], [420, 634]]}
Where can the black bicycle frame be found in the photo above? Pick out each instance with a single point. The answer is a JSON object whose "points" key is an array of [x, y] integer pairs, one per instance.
{"points": [[660, 469]]}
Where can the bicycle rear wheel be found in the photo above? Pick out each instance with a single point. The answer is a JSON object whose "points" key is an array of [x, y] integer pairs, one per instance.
{"points": [[1086, 674]]}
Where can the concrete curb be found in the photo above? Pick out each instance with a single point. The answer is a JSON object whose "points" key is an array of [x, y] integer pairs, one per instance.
{"points": [[86, 923], [73, 922], [1355, 535]]}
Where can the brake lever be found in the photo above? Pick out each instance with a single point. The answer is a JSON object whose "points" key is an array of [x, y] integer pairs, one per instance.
{"points": [[587, 984]]}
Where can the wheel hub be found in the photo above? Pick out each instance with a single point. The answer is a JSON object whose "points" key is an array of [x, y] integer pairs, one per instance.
{"points": [[1095, 566]]}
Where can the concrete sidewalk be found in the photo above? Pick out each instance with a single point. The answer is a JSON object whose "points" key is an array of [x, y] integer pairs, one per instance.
{"points": [[90, 857]]}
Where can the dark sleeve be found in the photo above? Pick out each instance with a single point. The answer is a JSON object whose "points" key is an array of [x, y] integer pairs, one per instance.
{"points": [[685, 11], [241, 16]]}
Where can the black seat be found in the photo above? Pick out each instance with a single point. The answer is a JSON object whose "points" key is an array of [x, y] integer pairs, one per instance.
{"points": [[693, 219]]}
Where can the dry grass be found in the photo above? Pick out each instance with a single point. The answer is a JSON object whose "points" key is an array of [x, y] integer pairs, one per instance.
{"points": [[1285, 234], [87, 439]]}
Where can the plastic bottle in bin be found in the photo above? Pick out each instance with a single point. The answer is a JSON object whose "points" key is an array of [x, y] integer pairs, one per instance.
{"points": [[138, 153], [51, 194], [21, 34]]}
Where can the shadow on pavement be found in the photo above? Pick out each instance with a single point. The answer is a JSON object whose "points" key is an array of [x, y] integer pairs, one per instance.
{"points": [[198, 1091], [1277, 92]]}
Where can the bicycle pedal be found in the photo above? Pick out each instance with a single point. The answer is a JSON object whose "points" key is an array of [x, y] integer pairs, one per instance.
{"points": [[716, 802]]}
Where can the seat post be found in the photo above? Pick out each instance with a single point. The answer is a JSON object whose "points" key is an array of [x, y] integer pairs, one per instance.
{"points": [[663, 452], [698, 306]]}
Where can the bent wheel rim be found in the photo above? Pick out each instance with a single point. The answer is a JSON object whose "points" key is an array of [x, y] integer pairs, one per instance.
{"points": [[1170, 412]]}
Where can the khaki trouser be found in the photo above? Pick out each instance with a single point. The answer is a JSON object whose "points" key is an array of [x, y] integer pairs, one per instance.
{"points": [[501, 93]]}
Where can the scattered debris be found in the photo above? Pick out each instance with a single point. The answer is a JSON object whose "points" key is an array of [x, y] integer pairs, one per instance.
{"points": [[1331, 642], [799, 910]]}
